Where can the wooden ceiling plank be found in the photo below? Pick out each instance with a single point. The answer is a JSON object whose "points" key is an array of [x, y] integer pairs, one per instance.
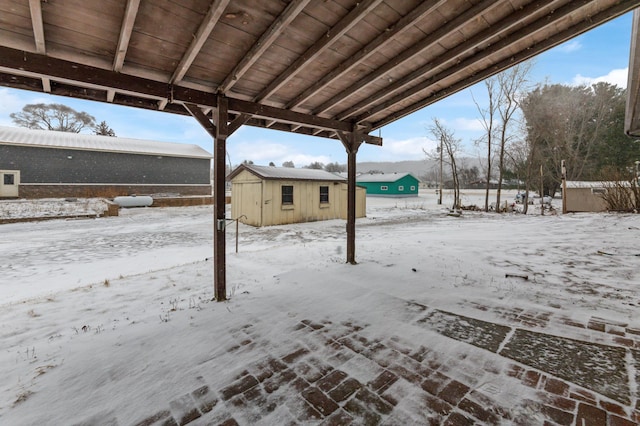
{"points": [[35, 7], [408, 54], [210, 21], [126, 29], [543, 22], [286, 116], [450, 55], [374, 46], [557, 38], [345, 24], [264, 42]]}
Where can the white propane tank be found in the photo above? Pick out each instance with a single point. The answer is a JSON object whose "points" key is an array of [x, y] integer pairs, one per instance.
{"points": [[133, 201]]}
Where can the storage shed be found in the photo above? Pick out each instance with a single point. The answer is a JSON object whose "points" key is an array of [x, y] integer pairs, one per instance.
{"points": [[587, 196], [390, 184], [42, 164], [265, 195]]}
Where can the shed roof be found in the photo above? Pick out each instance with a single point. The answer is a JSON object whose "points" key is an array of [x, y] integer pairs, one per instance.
{"points": [[287, 173], [577, 184], [383, 177], [80, 141]]}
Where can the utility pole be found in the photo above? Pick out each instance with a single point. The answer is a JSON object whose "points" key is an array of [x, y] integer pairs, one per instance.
{"points": [[564, 188], [541, 191], [440, 190]]}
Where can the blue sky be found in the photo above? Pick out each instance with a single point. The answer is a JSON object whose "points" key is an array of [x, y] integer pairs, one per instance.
{"points": [[599, 55]]}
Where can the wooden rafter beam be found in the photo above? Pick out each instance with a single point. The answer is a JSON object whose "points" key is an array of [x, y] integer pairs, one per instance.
{"points": [[35, 8], [345, 24], [46, 85], [408, 54], [201, 118], [535, 49], [20, 63], [373, 47], [286, 116], [483, 38], [206, 26], [126, 29], [237, 122], [264, 42]]}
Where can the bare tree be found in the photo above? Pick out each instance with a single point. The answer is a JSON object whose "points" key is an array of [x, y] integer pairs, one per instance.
{"points": [[511, 84], [498, 118], [288, 164], [450, 146], [53, 117], [487, 118]]}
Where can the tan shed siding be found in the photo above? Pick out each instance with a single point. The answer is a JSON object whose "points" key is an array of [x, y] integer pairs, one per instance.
{"points": [[260, 200], [583, 200], [246, 199], [361, 201], [306, 202]]}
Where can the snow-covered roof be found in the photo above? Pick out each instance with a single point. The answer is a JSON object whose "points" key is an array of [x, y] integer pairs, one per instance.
{"points": [[85, 142], [287, 173], [382, 177], [594, 184]]}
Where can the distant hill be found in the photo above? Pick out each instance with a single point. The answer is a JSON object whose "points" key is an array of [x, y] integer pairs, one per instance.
{"points": [[418, 168]]}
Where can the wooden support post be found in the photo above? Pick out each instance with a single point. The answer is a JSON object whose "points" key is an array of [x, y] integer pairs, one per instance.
{"points": [[351, 142], [220, 129], [220, 118]]}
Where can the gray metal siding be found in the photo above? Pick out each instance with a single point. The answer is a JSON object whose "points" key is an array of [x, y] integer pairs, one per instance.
{"points": [[49, 165]]}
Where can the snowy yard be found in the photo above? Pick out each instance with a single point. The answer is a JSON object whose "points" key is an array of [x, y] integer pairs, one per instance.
{"points": [[110, 320]]}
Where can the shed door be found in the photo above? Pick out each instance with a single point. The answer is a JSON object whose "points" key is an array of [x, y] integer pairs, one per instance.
{"points": [[9, 182]]}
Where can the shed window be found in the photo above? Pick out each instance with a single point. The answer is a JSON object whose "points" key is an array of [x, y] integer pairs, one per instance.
{"points": [[413, 188], [287, 194], [9, 179], [324, 194], [384, 188], [401, 188]]}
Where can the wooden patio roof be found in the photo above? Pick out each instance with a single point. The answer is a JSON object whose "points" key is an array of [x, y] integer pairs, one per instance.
{"points": [[313, 67]]}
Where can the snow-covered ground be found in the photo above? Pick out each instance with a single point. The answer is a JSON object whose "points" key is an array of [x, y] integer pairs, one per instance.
{"points": [[112, 317], [54, 207]]}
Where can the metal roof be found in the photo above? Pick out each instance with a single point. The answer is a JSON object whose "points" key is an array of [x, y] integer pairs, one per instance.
{"points": [[576, 184], [287, 173], [80, 141], [382, 177], [311, 67]]}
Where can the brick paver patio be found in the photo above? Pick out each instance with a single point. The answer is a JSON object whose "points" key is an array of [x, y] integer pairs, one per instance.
{"points": [[340, 374]]}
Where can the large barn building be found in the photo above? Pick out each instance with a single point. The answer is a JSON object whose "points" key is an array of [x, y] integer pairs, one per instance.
{"points": [[48, 164], [390, 184]]}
